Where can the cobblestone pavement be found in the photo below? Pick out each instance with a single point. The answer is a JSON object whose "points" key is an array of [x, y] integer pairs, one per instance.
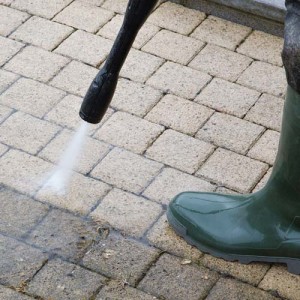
{"points": [[198, 107]]}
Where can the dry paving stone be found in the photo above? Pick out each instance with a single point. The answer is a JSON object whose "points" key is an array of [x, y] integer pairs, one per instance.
{"points": [[19, 213], [111, 29], [10, 19], [22, 171], [179, 114], [94, 2], [36, 63], [9, 294], [6, 79], [180, 151], [278, 279], [31, 97], [232, 170], [235, 290], [84, 16], [6, 2], [4, 112], [176, 18], [126, 212], [42, 8], [27, 133], [164, 237], [221, 32], [252, 273], [116, 6], [173, 46], [75, 78], [120, 258], [264, 78], [263, 46], [139, 66], [267, 111], [3, 149], [179, 80], [230, 132], [264, 181], [18, 262], [128, 131], [172, 182], [85, 47], [42, 33], [170, 279], [266, 147], [221, 62], [8, 49], [59, 280], [63, 234], [228, 97], [126, 170]]}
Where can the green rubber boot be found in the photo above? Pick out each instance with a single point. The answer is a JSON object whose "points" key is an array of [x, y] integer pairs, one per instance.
{"points": [[264, 226]]}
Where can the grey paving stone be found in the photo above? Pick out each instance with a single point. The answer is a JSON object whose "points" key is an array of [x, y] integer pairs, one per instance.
{"points": [[120, 258], [63, 234], [18, 262], [263, 181], [170, 279], [19, 213], [3, 149], [8, 49], [59, 280], [6, 79], [9, 294], [4, 112], [116, 6]]}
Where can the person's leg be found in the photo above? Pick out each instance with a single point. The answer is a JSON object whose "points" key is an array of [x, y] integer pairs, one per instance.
{"points": [[264, 226]]}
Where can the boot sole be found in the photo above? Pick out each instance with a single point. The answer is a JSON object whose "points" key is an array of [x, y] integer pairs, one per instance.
{"points": [[293, 264]]}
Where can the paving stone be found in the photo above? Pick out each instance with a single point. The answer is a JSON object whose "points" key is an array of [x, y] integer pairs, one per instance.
{"points": [[228, 97], [36, 63], [3, 149], [172, 182], [133, 174], [220, 62], [285, 284], [19, 213], [20, 131], [134, 97], [10, 19], [182, 115], [176, 18], [30, 171], [42, 33], [8, 49], [75, 78], [164, 237], [18, 262], [170, 279], [63, 234], [266, 147], [120, 258], [62, 280], [115, 290], [116, 6], [128, 213], [130, 132], [230, 132], [263, 46], [235, 290], [111, 29], [31, 97], [86, 47], [179, 80], [221, 32], [263, 182], [223, 190], [84, 16], [252, 273], [232, 170], [265, 78], [94, 2], [4, 112], [41, 8], [139, 66], [9, 294], [180, 151], [6, 79], [267, 111], [6, 2], [173, 46]]}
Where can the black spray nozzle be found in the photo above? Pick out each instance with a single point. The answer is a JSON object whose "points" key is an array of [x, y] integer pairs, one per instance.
{"points": [[101, 90]]}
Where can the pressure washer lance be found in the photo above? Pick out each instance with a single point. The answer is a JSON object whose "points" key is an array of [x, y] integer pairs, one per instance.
{"points": [[102, 88]]}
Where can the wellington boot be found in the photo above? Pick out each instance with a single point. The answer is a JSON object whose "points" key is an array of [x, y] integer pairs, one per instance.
{"points": [[264, 226]]}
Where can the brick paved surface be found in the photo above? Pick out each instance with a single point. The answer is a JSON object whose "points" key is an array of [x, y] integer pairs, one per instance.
{"points": [[198, 107]]}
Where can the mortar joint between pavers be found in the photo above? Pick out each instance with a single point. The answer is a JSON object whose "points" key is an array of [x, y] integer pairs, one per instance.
{"points": [[15, 29], [243, 40], [13, 111], [61, 10], [201, 21], [255, 141], [150, 143], [195, 54], [18, 52], [12, 83]]}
